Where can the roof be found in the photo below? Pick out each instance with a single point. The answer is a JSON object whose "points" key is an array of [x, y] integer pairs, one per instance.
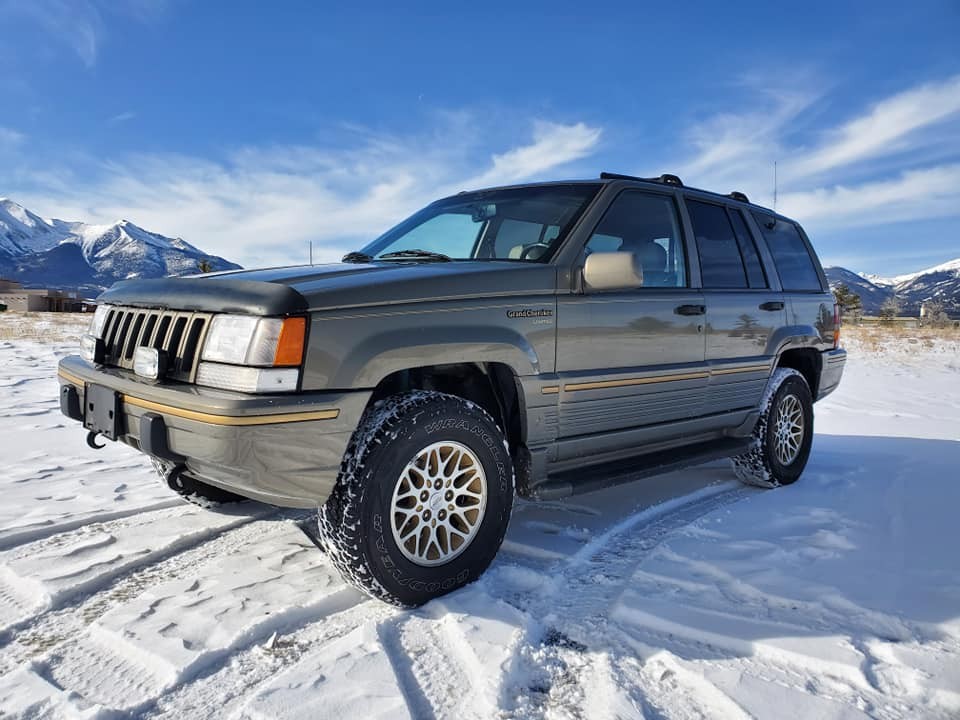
{"points": [[665, 179]]}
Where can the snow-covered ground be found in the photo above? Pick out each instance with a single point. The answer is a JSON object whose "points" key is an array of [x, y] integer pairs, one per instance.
{"points": [[684, 596]]}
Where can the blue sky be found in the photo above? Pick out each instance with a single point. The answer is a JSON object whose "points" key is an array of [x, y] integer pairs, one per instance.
{"points": [[249, 129]]}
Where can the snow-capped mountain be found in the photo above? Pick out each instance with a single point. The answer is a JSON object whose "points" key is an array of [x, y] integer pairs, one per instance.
{"points": [[940, 283], [872, 294], [56, 253]]}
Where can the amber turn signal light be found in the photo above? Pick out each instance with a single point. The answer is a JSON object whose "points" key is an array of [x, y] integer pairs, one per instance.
{"points": [[290, 344]]}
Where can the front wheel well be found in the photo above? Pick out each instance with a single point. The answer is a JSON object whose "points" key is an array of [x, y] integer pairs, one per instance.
{"points": [[492, 386], [807, 362]]}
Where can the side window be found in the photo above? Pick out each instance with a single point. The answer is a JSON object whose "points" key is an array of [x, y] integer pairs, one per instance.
{"points": [[514, 235], [648, 226], [794, 264], [748, 249], [720, 263]]}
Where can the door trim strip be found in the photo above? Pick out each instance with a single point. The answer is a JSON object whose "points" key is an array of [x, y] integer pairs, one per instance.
{"points": [[673, 377]]}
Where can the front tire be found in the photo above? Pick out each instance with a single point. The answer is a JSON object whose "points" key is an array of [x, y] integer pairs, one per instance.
{"points": [[423, 499], [783, 435], [192, 490]]}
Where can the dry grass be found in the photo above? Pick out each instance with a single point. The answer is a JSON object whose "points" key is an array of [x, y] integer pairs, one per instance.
{"points": [[43, 326], [877, 338]]}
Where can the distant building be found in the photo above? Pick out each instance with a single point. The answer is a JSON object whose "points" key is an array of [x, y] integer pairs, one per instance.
{"points": [[16, 297]]}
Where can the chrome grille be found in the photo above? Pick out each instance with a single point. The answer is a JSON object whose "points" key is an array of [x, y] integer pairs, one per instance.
{"points": [[179, 333]]}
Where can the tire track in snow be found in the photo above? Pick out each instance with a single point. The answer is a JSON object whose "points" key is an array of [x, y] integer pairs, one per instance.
{"points": [[554, 658], [223, 691], [84, 561], [179, 629], [45, 631]]}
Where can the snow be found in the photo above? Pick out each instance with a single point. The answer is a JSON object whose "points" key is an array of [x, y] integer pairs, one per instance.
{"points": [[115, 251], [683, 596]]}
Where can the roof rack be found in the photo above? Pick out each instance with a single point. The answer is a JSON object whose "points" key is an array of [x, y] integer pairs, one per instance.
{"points": [[737, 195], [665, 179]]}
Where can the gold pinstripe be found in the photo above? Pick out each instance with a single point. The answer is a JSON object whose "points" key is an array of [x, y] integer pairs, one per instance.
{"points": [[604, 384], [212, 418]]}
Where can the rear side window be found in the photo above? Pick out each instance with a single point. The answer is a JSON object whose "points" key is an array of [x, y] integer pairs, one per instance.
{"points": [[794, 264], [748, 250], [720, 263]]}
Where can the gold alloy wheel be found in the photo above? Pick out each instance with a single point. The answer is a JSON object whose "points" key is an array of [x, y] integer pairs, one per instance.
{"points": [[788, 430], [438, 503]]}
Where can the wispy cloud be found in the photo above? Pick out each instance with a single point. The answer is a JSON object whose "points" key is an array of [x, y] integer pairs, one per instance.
{"points": [[889, 126], [262, 204], [552, 145], [10, 138], [927, 193], [888, 162], [76, 24], [79, 24], [731, 145], [122, 118]]}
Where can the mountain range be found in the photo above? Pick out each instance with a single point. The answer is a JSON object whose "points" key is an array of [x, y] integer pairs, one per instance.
{"points": [[940, 284], [60, 254]]}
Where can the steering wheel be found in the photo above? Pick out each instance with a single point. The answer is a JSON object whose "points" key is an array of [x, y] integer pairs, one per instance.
{"points": [[529, 249]]}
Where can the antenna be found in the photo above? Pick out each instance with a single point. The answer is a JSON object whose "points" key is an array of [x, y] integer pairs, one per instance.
{"points": [[311, 250], [774, 185]]}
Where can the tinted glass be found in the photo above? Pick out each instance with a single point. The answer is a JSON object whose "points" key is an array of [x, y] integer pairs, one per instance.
{"points": [[720, 262], [648, 226], [492, 224], [748, 250], [794, 265]]}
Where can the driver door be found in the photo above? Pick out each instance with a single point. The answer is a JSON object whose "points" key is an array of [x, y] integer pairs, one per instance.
{"points": [[631, 362]]}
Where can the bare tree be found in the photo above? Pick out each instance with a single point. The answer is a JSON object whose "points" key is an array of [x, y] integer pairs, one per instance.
{"points": [[934, 314], [889, 310]]}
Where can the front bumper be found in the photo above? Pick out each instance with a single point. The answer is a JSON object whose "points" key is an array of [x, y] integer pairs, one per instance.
{"points": [[833, 364], [280, 449]]}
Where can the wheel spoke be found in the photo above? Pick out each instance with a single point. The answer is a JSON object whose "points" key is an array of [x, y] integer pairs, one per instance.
{"points": [[438, 503]]}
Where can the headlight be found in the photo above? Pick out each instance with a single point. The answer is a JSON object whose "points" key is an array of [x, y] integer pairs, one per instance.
{"points": [[247, 340], [251, 354], [99, 320]]}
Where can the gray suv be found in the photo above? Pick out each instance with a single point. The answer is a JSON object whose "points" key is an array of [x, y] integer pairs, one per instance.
{"points": [[541, 340]]}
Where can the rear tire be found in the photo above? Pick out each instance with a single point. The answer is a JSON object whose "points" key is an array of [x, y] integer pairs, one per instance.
{"points": [[194, 491], [783, 435], [423, 499]]}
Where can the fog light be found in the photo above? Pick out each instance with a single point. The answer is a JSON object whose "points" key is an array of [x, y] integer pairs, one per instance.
{"points": [[91, 349], [150, 363]]}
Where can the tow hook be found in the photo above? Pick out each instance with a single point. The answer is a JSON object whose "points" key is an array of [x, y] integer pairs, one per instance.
{"points": [[92, 440]]}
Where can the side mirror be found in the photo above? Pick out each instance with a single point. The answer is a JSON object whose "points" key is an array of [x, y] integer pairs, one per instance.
{"points": [[612, 271]]}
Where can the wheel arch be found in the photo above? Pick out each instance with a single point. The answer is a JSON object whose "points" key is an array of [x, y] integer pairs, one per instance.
{"points": [[807, 361], [494, 386]]}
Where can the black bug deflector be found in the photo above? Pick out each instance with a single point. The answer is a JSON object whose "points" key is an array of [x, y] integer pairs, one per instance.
{"points": [[251, 297]]}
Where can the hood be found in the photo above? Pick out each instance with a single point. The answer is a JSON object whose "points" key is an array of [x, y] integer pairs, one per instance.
{"points": [[285, 290]]}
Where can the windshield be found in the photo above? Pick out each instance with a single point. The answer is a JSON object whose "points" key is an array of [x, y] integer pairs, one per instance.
{"points": [[519, 224]]}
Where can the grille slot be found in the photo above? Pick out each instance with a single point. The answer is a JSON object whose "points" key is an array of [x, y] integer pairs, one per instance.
{"points": [[180, 334]]}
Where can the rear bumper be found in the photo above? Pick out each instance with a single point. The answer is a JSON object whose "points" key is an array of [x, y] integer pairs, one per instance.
{"points": [[833, 364], [281, 449]]}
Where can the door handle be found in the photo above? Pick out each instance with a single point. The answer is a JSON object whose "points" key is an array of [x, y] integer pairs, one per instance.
{"points": [[772, 306], [691, 310]]}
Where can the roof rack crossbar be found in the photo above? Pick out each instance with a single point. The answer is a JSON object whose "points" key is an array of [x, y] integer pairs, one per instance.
{"points": [[737, 195], [665, 179]]}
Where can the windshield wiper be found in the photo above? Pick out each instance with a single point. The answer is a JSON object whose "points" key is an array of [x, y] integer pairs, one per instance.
{"points": [[356, 257], [422, 254]]}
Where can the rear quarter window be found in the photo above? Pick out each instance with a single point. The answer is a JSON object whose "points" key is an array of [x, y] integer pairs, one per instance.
{"points": [[795, 266]]}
